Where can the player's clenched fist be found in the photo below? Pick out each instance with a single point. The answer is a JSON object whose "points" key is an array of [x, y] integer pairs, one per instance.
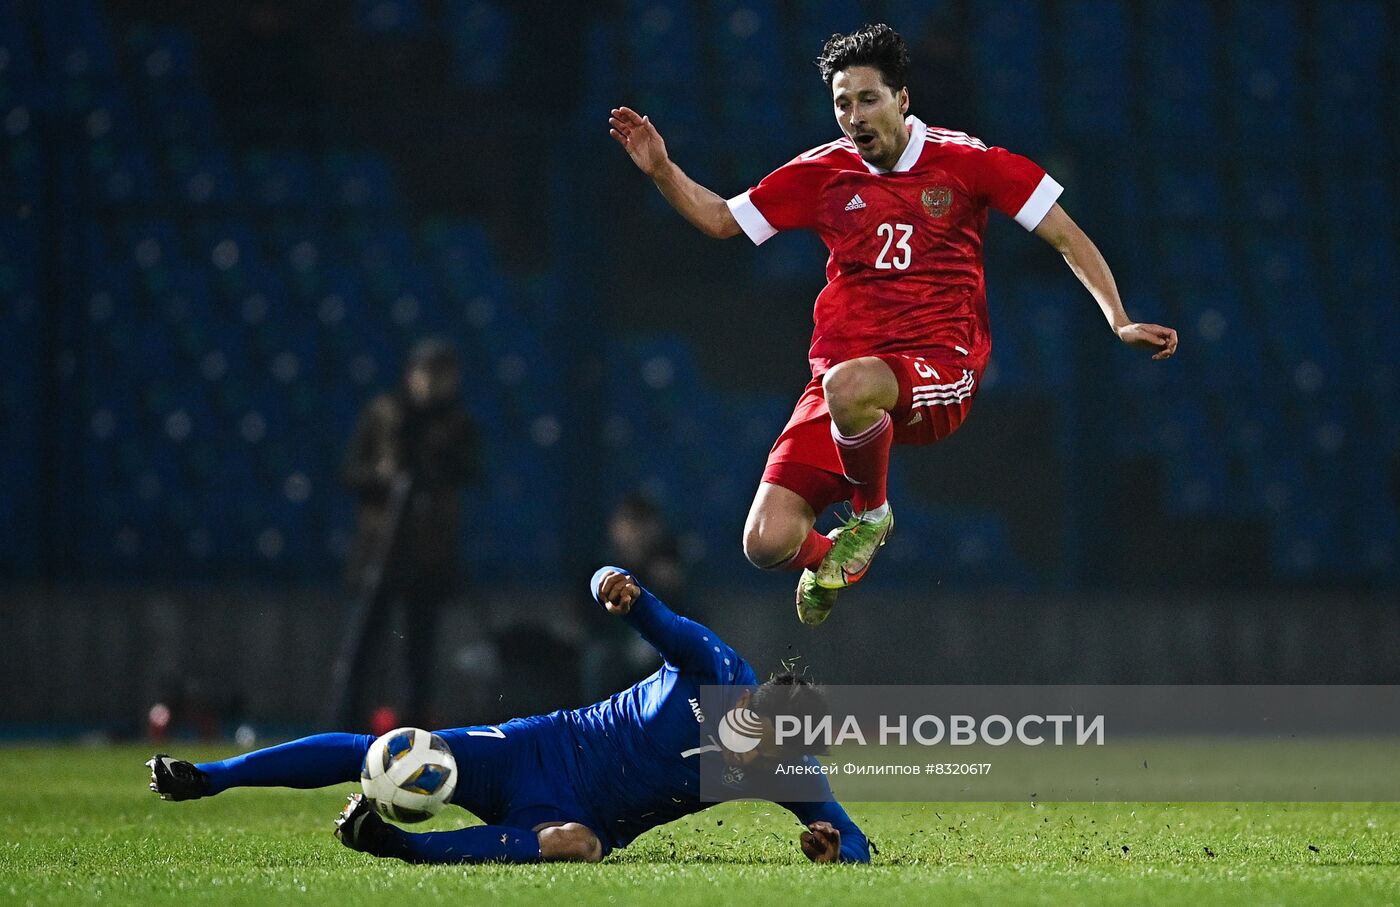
{"points": [[821, 843], [618, 592], [1160, 340]]}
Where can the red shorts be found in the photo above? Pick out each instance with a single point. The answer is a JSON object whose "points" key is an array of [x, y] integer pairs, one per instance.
{"points": [[935, 395]]}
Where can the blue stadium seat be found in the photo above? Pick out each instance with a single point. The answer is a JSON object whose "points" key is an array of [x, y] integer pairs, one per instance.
{"points": [[1094, 63], [1197, 473], [381, 247], [1112, 205], [916, 20], [1050, 311], [663, 43], [181, 114], [1181, 71], [360, 181], [74, 38], [389, 17], [302, 248], [481, 34], [122, 175], [167, 90], [19, 256], [749, 47], [664, 78], [1362, 258], [22, 323], [1188, 192], [23, 508], [1191, 256], [162, 54], [1348, 54], [280, 179], [792, 255], [1304, 546], [228, 249], [201, 176], [1008, 50], [151, 244], [1009, 368], [475, 295], [1363, 303], [953, 550], [23, 174], [1357, 195], [601, 60], [18, 70], [1271, 194], [1283, 270], [1372, 524], [1263, 55], [748, 44], [1217, 327]]}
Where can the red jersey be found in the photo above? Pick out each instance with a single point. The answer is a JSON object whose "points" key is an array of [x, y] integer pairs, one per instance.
{"points": [[905, 272]]}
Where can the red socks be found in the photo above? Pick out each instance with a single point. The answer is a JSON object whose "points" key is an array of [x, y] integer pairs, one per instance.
{"points": [[814, 548], [865, 459]]}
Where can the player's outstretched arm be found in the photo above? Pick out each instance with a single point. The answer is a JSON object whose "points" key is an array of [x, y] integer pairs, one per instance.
{"points": [[821, 843], [1088, 265], [705, 210], [831, 835], [689, 646]]}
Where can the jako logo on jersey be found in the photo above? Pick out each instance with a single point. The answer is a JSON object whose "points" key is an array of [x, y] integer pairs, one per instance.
{"points": [[856, 203], [695, 709], [740, 730], [937, 200]]}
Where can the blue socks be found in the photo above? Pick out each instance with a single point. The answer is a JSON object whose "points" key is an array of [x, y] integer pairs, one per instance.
{"points": [[327, 759], [318, 761], [478, 844]]}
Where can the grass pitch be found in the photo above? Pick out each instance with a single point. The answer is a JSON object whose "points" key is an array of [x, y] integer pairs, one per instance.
{"points": [[82, 828]]}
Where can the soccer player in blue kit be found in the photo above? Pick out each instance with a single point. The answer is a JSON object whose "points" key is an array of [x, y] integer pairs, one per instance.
{"points": [[573, 784]]}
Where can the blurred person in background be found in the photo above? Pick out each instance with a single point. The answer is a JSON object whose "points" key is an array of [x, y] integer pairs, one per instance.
{"points": [[413, 451], [637, 534]]}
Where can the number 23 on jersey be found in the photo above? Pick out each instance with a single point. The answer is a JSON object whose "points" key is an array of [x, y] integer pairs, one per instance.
{"points": [[896, 253]]}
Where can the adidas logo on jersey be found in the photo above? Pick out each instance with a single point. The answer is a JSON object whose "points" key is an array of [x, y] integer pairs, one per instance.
{"points": [[856, 203]]}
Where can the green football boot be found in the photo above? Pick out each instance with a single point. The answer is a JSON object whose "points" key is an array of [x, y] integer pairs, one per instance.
{"points": [[813, 602], [855, 546]]}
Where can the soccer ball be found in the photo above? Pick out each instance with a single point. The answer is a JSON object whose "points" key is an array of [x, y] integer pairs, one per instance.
{"points": [[409, 774]]}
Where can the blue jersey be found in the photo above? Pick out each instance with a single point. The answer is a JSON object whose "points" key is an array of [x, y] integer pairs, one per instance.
{"points": [[632, 761]]}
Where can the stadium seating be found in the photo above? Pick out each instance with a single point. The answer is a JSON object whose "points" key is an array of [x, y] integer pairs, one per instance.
{"points": [[236, 321], [231, 306], [1093, 58]]}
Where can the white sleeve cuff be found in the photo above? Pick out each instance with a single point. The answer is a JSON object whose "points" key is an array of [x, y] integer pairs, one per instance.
{"points": [[1039, 204], [754, 224]]}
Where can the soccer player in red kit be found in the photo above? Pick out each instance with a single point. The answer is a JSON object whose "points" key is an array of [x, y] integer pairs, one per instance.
{"points": [[901, 334]]}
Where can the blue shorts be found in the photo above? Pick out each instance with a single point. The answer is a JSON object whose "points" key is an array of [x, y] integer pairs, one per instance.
{"points": [[511, 774]]}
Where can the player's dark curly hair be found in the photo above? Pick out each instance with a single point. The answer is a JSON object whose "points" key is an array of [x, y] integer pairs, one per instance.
{"points": [[871, 45], [790, 693]]}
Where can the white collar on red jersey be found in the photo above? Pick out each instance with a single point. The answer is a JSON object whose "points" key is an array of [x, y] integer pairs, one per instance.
{"points": [[917, 133]]}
